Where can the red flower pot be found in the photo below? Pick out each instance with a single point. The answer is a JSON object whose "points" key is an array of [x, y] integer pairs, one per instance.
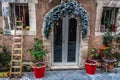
{"points": [[91, 67], [39, 72]]}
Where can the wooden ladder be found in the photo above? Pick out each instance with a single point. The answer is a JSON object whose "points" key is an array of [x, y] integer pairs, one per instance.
{"points": [[17, 47]]}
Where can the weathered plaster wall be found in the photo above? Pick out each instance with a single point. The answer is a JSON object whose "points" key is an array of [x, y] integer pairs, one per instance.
{"points": [[43, 7], [90, 6]]}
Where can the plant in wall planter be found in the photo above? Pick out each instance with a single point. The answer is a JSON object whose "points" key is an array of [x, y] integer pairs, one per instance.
{"points": [[90, 62], [38, 53], [107, 38]]}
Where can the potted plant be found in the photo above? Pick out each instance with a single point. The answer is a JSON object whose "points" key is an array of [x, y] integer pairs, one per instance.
{"points": [[4, 62], [38, 53], [109, 58], [90, 62]]}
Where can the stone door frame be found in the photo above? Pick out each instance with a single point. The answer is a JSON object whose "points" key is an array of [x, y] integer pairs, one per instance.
{"points": [[48, 45]]}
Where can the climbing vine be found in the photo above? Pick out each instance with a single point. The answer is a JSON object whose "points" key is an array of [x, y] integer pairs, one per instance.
{"points": [[70, 9]]}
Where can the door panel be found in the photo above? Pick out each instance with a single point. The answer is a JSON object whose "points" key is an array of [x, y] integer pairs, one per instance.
{"points": [[72, 40], [58, 41]]}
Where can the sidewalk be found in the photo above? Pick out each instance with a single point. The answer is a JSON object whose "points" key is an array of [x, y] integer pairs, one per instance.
{"points": [[72, 75]]}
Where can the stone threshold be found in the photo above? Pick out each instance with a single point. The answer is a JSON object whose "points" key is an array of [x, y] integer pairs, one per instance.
{"points": [[64, 67]]}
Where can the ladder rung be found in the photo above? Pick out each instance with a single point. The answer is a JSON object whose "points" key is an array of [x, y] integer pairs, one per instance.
{"points": [[16, 66], [17, 37], [17, 48], [17, 43], [19, 26], [18, 34], [16, 54], [16, 60], [15, 72]]}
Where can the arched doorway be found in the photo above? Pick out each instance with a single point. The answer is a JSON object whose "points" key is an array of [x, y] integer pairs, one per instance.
{"points": [[65, 42], [64, 29]]}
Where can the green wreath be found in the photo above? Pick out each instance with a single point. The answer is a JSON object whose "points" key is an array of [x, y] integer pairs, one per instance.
{"points": [[67, 8]]}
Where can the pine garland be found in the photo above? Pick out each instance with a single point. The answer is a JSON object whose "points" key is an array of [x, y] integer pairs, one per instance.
{"points": [[67, 8]]}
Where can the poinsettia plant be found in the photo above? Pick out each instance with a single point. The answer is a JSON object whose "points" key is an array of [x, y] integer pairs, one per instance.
{"points": [[92, 54]]}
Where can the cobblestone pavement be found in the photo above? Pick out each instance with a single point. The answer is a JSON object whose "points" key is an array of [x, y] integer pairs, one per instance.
{"points": [[72, 75]]}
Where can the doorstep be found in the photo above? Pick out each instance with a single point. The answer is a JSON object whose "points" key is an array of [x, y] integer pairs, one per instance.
{"points": [[64, 67]]}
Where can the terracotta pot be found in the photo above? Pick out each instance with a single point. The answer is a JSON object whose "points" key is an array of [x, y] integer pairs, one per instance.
{"points": [[111, 65], [91, 67], [39, 72]]}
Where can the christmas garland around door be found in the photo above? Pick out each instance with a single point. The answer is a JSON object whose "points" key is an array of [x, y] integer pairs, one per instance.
{"points": [[66, 8]]}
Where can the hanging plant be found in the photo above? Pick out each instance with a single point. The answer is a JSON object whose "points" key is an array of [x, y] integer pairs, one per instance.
{"points": [[70, 9]]}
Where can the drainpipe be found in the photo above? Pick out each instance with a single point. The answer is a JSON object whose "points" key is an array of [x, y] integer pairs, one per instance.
{"points": [[6, 16]]}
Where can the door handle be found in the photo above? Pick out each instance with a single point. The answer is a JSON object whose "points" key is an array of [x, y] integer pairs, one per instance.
{"points": [[63, 40]]}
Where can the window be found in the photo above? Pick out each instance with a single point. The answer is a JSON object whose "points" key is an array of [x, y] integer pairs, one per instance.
{"points": [[19, 11], [25, 10], [108, 20]]}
